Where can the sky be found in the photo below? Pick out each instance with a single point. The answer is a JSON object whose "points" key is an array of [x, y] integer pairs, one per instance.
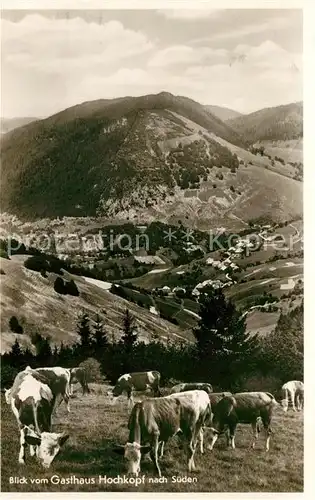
{"points": [[244, 59]]}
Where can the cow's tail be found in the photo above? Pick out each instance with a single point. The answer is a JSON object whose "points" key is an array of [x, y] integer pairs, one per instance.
{"points": [[34, 408], [284, 398]]}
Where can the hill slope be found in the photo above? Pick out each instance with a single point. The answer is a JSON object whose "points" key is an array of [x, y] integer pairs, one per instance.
{"points": [[8, 124], [32, 299], [154, 157], [278, 123], [223, 113]]}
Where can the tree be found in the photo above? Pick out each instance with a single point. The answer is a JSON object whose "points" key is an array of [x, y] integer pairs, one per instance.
{"points": [[224, 349], [16, 354], [59, 286], [15, 325], [282, 350], [84, 332], [99, 338], [72, 289], [129, 336], [43, 350]]}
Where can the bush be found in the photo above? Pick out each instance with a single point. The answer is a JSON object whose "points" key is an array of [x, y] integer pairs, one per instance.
{"points": [[72, 289], [232, 188], [36, 263], [8, 374], [15, 325], [60, 286], [2, 271], [92, 369], [214, 186]]}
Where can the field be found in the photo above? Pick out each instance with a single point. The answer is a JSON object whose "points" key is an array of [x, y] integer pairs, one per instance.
{"points": [[95, 426]]}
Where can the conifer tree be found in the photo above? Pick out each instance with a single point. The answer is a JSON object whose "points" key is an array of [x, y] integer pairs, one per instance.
{"points": [[99, 337], [130, 334], [224, 349]]}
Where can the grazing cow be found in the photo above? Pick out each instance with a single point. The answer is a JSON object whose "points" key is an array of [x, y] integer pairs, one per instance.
{"points": [[137, 381], [79, 376], [292, 392], [156, 420], [191, 387], [32, 403], [58, 379], [245, 408]]}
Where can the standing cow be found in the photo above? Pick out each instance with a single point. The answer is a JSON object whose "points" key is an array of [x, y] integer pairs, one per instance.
{"points": [[79, 376], [57, 379], [292, 392], [245, 408], [137, 381], [156, 420], [32, 403]]}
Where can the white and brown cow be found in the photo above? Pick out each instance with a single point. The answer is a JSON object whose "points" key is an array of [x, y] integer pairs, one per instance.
{"points": [[245, 408], [79, 376], [32, 403], [137, 381], [57, 379], [156, 420], [292, 392]]}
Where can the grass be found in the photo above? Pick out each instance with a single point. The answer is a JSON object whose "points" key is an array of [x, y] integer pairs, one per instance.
{"points": [[95, 426]]}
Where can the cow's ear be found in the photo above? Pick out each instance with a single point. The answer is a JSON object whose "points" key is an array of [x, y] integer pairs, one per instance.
{"points": [[145, 448], [119, 448], [32, 439], [62, 438]]}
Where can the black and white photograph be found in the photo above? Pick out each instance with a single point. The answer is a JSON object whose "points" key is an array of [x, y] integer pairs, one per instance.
{"points": [[152, 255]]}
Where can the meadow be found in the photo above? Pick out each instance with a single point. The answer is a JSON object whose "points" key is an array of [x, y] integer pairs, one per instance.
{"points": [[95, 426]]}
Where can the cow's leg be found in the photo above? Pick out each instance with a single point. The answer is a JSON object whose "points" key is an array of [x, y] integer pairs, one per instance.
{"points": [[227, 436], [66, 399], [154, 453], [266, 418], [201, 440], [130, 398], [162, 449], [285, 400], [255, 433], [32, 450], [232, 429], [22, 447], [292, 396], [191, 454]]}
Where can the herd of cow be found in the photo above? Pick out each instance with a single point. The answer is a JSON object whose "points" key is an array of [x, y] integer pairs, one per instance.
{"points": [[188, 411]]}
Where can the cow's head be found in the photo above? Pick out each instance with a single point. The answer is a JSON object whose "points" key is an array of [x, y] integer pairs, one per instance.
{"points": [[213, 434], [118, 390], [132, 454], [47, 444]]}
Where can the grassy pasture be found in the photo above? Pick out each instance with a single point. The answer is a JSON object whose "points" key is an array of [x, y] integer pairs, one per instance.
{"points": [[95, 426]]}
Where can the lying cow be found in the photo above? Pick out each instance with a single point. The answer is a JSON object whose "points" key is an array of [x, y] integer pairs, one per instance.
{"points": [[245, 408], [191, 387], [58, 380], [292, 392], [32, 403], [156, 420], [137, 381], [79, 376]]}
